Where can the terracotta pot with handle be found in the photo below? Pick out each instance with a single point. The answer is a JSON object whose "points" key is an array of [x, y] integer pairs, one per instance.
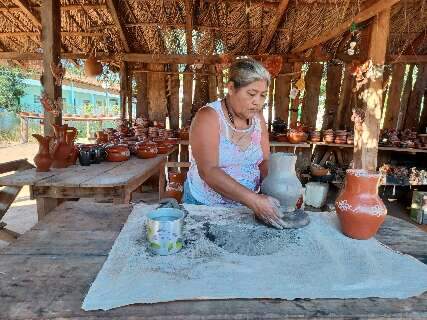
{"points": [[43, 160]]}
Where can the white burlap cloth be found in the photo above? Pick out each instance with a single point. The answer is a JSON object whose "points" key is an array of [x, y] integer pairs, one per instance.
{"points": [[228, 255]]}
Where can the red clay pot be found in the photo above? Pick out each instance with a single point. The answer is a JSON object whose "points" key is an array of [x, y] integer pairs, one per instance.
{"points": [[178, 177], [359, 208], [296, 136], [117, 153], [43, 160], [62, 148], [146, 151]]}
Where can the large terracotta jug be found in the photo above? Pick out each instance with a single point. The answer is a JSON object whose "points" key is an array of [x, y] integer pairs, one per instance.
{"points": [[43, 160], [359, 208], [70, 138], [282, 182], [62, 149]]}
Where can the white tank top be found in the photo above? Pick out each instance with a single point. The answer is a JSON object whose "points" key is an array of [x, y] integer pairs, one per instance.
{"points": [[241, 165]]}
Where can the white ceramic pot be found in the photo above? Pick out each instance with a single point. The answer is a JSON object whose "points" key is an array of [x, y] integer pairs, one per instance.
{"points": [[282, 182]]}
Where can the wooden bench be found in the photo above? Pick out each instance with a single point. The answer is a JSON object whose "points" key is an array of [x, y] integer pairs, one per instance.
{"points": [[8, 194]]}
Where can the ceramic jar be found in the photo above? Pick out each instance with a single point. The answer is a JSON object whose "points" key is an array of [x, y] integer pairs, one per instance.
{"points": [[282, 182], [62, 148], [178, 177], [297, 136], [43, 160], [359, 208], [117, 153], [145, 150], [174, 190]]}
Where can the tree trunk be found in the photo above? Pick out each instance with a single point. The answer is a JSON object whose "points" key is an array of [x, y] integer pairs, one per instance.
{"points": [[141, 94], [157, 108], [281, 93], [173, 98]]}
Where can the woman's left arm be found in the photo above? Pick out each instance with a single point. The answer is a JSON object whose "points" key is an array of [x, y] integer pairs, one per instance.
{"points": [[265, 146]]}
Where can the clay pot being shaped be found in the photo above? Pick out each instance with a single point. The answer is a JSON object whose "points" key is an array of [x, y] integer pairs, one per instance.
{"points": [[359, 208], [117, 153], [43, 160], [61, 149], [282, 182]]}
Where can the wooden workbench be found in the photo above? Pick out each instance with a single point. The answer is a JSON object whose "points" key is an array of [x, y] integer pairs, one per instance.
{"points": [[105, 181], [47, 272]]}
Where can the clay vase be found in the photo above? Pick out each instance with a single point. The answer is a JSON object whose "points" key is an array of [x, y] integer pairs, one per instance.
{"points": [[43, 160], [359, 208], [70, 138], [61, 150], [282, 182]]}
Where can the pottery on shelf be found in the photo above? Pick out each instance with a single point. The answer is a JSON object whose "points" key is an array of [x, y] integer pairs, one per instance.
{"points": [[43, 160], [179, 177], [359, 208], [282, 182], [145, 150], [117, 153], [297, 136]]}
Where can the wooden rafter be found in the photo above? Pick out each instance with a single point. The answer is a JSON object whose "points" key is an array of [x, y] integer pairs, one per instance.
{"points": [[189, 26], [38, 34], [363, 15], [268, 36], [28, 13], [114, 15]]}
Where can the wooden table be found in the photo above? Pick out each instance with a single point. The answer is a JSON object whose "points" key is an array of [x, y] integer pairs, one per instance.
{"points": [[107, 180], [47, 272]]}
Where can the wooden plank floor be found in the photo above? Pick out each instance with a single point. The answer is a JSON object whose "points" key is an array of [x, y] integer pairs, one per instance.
{"points": [[47, 272]]}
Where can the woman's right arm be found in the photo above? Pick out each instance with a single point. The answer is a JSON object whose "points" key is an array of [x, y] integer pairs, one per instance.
{"points": [[204, 141]]}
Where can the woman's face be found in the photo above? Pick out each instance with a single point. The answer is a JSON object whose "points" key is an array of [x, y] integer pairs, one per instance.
{"points": [[249, 100]]}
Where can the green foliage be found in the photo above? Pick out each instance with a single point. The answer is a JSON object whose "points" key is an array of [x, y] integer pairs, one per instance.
{"points": [[11, 88], [88, 108]]}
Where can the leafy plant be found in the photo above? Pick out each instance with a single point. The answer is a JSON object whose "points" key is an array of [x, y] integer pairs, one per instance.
{"points": [[11, 88]]}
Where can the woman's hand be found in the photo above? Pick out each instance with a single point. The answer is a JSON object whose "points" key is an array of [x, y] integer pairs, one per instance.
{"points": [[266, 208]]}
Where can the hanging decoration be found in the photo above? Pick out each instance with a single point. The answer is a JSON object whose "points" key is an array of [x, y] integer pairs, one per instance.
{"points": [[197, 65], [273, 63], [293, 93], [58, 72], [300, 84], [53, 107], [352, 45], [366, 71]]}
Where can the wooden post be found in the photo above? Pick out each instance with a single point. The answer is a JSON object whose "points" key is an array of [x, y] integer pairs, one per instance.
{"points": [[344, 105], [141, 94], [281, 93], [51, 43], [24, 129], [386, 85], [295, 102], [367, 132], [311, 96], [414, 106], [129, 96], [201, 90], [157, 103], [123, 89], [213, 95], [333, 86], [423, 120], [220, 84], [404, 101], [395, 90], [270, 103], [187, 99], [173, 99]]}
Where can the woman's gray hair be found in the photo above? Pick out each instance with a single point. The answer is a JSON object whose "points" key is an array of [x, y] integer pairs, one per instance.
{"points": [[245, 71]]}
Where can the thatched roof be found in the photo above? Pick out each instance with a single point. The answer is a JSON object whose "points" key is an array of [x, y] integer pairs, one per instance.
{"points": [[228, 26]]}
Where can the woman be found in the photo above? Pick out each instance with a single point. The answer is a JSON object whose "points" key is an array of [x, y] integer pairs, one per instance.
{"points": [[230, 146]]}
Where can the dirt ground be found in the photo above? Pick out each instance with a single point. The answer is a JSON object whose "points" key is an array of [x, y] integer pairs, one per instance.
{"points": [[22, 215]]}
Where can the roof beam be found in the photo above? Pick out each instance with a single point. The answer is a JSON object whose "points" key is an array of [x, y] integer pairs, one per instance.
{"points": [[407, 59], [189, 25], [363, 15], [268, 36], [27, 11], [113, 11]]}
